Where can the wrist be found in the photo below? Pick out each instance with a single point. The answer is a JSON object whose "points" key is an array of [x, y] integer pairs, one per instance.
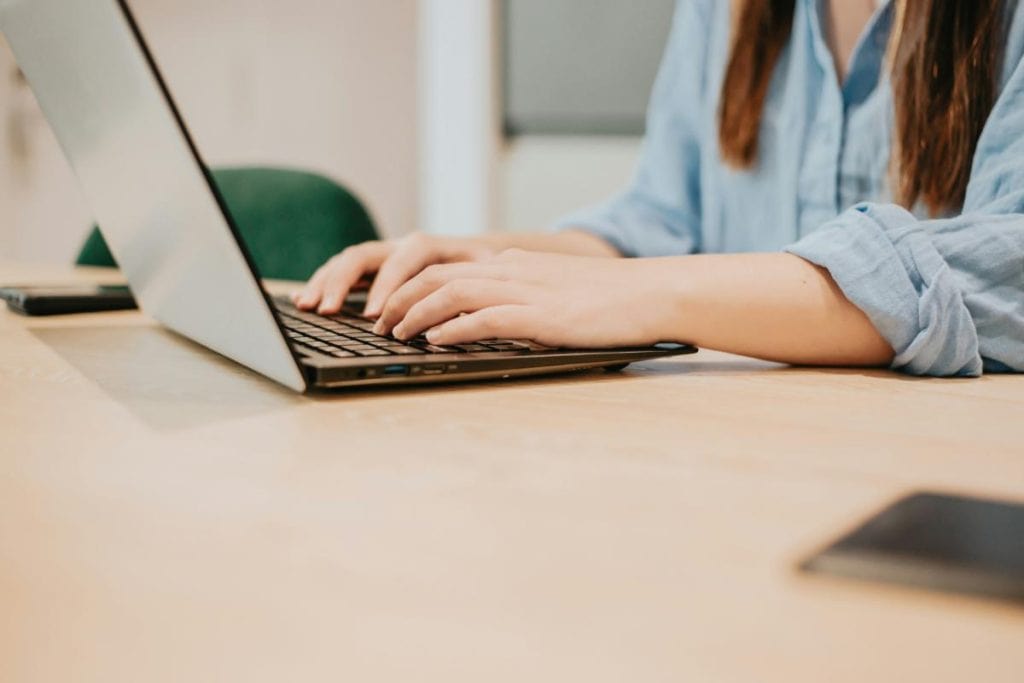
{"points": [[666, 295]]}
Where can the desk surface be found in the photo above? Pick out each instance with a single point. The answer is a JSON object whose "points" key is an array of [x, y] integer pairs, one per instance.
{"points": [[168, 516]]}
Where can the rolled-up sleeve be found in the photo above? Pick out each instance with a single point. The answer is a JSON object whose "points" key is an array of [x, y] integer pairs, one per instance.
{"points": [[948, 295], [659, 214]]}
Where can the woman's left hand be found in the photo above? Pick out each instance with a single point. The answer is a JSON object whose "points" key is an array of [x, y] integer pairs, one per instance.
{"points": [[554, 300]]}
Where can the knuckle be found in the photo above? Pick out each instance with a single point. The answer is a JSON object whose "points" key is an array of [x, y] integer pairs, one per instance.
{"points": [[417, 240], [337, 261], [454, 293], [490, 321], [434, 273], [358, 251], [350, 256], [363, 247]]}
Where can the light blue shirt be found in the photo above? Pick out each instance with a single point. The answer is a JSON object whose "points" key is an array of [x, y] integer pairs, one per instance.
{"points": [[947, 294]]}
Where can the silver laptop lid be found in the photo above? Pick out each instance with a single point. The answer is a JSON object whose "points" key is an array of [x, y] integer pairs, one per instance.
{"points": [[144, 181]]}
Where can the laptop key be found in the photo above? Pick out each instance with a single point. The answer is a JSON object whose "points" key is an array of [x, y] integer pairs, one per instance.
{"points": [[431, 348], [407, 351], [474, 348], [361, 349], [508, 346], [365, 325]]}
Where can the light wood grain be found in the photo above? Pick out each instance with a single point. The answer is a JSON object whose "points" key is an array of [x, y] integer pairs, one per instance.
{"points": [[167, 516]]}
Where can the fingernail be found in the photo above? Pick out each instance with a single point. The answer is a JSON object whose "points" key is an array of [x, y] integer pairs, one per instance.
{"points": [[399, 332], [433, 334], [378, 327]]}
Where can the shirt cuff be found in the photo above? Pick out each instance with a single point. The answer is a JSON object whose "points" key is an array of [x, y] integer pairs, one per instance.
{"points": [[887, 266]]}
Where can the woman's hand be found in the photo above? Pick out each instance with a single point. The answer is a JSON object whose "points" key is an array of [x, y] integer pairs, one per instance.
{"points": [[555, 300], [772, 306], [394, 262]]}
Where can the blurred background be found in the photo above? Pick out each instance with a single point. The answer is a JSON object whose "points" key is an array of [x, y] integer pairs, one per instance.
{"points": [[453, 116]]}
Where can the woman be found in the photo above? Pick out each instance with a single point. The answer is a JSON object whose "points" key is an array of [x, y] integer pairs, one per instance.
{"points": [[835, 182]]}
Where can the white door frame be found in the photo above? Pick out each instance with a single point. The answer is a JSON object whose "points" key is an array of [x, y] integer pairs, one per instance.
{"points": [[459, 119]]}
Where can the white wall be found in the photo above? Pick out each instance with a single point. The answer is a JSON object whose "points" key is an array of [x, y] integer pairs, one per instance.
{"points": [[544, 178], [327, 85]]}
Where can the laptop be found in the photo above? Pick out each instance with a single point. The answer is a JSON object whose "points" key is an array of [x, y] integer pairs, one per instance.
{"points": [[167, 226]]}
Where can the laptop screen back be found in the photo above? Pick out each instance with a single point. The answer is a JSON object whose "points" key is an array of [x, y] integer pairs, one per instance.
{"points": [[142, 178]]}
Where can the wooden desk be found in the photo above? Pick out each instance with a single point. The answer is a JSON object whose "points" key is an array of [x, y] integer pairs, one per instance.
{"points": [[168, 516]]}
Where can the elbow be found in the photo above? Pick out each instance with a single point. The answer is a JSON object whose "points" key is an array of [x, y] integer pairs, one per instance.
{"points": [[876, 352]]}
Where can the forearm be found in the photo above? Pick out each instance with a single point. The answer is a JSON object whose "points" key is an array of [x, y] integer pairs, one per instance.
{"points": [[773, 306], [569, 242]]}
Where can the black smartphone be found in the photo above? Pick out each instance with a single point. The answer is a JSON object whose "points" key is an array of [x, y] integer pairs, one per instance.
{"points": [[62, 299], [935, 541]]}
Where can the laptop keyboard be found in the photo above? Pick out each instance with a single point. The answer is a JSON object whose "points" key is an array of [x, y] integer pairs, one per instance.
{"points": [[348, 335]]}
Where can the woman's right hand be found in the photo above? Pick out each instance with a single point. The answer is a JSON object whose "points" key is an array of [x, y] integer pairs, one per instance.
{"points": [[394, 262]]}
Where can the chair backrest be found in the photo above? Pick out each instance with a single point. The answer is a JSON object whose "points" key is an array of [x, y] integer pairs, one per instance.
{"points": [[291, 221]]}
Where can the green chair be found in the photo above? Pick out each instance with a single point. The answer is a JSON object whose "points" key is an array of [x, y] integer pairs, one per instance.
{"points": [[291, 221]]}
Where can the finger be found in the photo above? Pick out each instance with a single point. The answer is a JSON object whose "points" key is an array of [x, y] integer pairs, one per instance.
{"points": [[510, 321], [457, 297], [429, 280], [309, 296], [405, 263], [350, 266]]}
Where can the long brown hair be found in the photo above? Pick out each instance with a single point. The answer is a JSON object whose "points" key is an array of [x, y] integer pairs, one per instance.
{"points": [[945, 56]]}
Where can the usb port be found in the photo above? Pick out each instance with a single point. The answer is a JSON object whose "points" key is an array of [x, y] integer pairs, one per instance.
{"points": [[396, 370]]}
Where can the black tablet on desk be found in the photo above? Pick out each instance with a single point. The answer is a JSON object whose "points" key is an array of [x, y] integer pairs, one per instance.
{"points": [[948, 543], [62, 299]]}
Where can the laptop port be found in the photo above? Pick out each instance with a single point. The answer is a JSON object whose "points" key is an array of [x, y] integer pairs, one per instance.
{"points": [[396, 370], [432, 370]]}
